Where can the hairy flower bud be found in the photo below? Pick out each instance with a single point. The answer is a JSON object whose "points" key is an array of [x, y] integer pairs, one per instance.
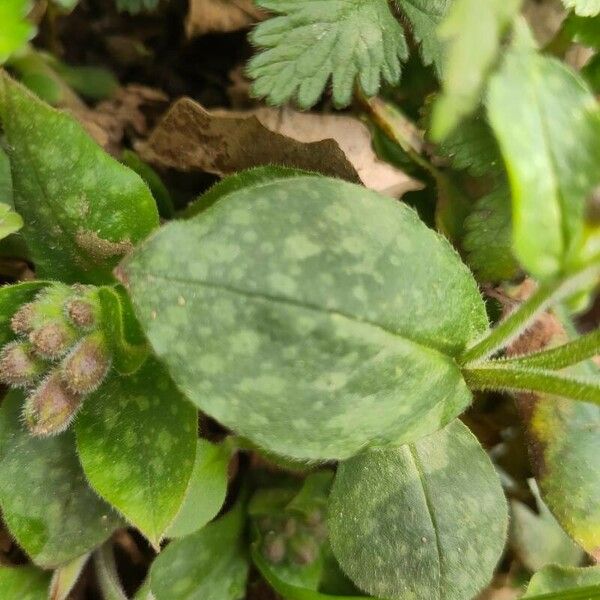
{"points": [[86, 366], [22, 321], [274, 548], [18, 365], [304, 550], [51, 407], [52, 340], [81, 312]]}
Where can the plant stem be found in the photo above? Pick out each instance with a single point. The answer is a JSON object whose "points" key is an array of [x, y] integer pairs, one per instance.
{"points": [[560, 357], [502, 376], [516, 322]]}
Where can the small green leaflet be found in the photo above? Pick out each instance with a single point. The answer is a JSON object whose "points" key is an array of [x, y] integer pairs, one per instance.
{"points": [[24, 583], [15, 30], [584, 8], [473, 31], [82, 209], [312, 41], [210, 564], [10, 221], [136, 438], [424, 520], [46, 501], [550, 141], [206, 490], [563, 579], [304, 314]]}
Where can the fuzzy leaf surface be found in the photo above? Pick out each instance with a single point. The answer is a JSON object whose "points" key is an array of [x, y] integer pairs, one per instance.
{"points": [[555, 578], [304, 314], [424, 520], [473, 31], [24, 583], [46, 501], [82, 209], [311, 41], [550, 141], [206, 490], [210, 564], [136, 438]]}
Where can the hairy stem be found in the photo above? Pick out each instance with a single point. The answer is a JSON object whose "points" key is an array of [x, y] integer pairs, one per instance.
{"points": [[516, 322], [504, 376]]}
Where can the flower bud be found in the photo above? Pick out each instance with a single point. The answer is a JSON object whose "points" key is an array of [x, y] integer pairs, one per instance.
{"points": [[22, 321], [81, 312], [18, 365], [86, 366], [51, 407], [304, 550], [52, 340], [274, 548]]}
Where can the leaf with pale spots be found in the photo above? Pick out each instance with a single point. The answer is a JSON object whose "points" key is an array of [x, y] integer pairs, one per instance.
{"points": [[82, 209], [210, 564], [136, 438], [46, 502], [550, 141], [424, 520], [206, 490], [24, 583], [304, 314]]}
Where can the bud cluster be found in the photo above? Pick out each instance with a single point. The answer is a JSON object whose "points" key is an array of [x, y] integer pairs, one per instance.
{"points": [[59, 356], [293, 539]]}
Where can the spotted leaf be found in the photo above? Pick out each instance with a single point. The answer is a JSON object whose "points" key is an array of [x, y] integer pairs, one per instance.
{"points": [[137, 440], [82, 209], [425, 520], [305, 315]]}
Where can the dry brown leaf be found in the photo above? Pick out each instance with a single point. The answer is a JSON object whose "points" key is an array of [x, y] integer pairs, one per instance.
{"points": [[224, 142], [205, 16]]}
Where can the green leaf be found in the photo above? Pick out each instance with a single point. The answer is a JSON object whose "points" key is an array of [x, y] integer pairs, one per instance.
{"points": [[425, 17], [488, 237], [206, 491], [313, 40], [550, 141], [555, 578], [425, 520], [10, 221], [24, 583], [16, 29], [6, 188], [538, 539], [66, 576], [46, 502], [473, 31], [584, 8], [106, 572], [136, 438], [210, 564], [291, 309], [82, 209], [584, 30]]}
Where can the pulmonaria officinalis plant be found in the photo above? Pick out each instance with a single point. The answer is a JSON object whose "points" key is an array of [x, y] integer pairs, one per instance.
{"points": [[292, 373]]}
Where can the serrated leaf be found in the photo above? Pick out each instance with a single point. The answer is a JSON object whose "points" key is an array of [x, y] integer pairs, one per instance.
{"points": [[46, 502], [136, 438], [550, 141], [293, 308], [488, 237], [82, 209], [210, 564], [206, 490], [425, 520], [425, 17], [16, 29], [24, 583], [555, 578], [584, 8], [312, 41], [538, 539], [473, 31]]}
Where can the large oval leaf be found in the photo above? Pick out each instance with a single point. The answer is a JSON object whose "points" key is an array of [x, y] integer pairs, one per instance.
{"points": [[82, 209], [46, 502], [422, 521], [310, 315]]}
